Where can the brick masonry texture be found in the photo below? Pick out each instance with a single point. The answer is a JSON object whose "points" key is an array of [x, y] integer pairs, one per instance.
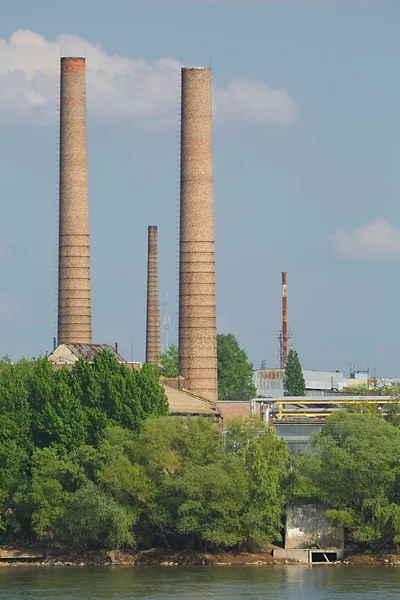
{"points": [[153, 336], [74, 297], [197, 311]]}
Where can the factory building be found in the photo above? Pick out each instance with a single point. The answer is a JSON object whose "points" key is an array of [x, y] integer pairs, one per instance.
{"points": [[269, 382]]}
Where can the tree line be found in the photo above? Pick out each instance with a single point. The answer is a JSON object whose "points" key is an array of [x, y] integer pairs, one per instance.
{"points": [[89, 457]]}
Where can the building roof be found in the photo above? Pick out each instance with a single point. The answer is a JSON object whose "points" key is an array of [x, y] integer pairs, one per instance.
{"points": [[70, 353], [184, 403]]}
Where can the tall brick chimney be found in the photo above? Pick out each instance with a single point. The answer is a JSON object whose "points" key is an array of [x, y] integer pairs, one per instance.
{"points": [[74, 298], [197, 312], [153, 336]]}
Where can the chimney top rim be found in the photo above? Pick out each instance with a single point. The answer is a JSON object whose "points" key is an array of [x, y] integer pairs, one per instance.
{"points": [[196, 68], [73, 58]]}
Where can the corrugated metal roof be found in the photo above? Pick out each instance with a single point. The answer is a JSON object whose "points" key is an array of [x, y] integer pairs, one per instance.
{"points": [[270, 373], [183, 403], [88, 351]]}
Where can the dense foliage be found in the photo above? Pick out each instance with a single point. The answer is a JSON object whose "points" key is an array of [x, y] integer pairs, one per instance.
{"points": [[88, 458], [355, 471], [235, 372], [60, 411], [293, 381], [169, 362]]}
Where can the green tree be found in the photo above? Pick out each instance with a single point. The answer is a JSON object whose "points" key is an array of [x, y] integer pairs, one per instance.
{"points": [[113, 395], [235, 372], [210, 500], [213, 489], [121, 475], [57, 415], [169, 362], [293, 381], [55, 477], [355, 471], [153, 398], [15, 411], [266, 461], [13, 466], [93, 519]]}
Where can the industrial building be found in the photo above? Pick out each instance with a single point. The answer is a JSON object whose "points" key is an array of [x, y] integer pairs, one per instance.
{"points": [[269, 382], [295, 418]]}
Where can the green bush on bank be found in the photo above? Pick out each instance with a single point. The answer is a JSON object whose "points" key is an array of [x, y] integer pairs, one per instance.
{"points": [[88, 457], [355, 471]]}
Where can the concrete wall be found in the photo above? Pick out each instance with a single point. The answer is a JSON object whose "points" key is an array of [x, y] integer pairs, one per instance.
{"points": [[233, 410], [306, 527]]}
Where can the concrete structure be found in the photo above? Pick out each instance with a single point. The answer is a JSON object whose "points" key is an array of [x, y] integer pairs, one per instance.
{"points": [[74, 298], [307, 556], [307, 527], [153, 335], [309, 537], [230, 409], [197, 313], [269, 382]]}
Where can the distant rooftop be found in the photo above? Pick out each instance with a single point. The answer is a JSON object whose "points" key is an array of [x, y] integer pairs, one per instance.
{"points": [[183, 402], [70, 353]]}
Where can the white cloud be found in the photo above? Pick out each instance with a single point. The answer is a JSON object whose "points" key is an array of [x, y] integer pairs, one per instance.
{"points": [[378, 240], [254, 101], [118, 86]]}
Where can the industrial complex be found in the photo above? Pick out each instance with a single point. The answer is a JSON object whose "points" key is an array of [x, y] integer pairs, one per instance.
{"points": [[195, 391]]}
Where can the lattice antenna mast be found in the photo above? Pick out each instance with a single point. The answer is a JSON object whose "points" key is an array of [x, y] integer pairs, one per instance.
{"points": [[167, 323]]}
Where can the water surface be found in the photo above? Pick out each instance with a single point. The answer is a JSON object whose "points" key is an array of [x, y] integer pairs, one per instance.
{"points": [[193, 583]]}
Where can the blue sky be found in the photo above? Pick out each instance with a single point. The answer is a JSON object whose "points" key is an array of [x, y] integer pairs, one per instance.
{"points": [[306, 155]]}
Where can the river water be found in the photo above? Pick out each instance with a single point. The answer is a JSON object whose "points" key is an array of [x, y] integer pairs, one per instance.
{"points": [[192, 583]]}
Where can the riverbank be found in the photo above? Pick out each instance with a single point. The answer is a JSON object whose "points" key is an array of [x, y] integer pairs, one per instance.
{"points": [[63, 557], [57, 557]]}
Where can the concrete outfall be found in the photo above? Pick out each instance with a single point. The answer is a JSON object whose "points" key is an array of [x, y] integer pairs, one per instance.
{"points": [[153, 335], [197, 309], [74, 295]]}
